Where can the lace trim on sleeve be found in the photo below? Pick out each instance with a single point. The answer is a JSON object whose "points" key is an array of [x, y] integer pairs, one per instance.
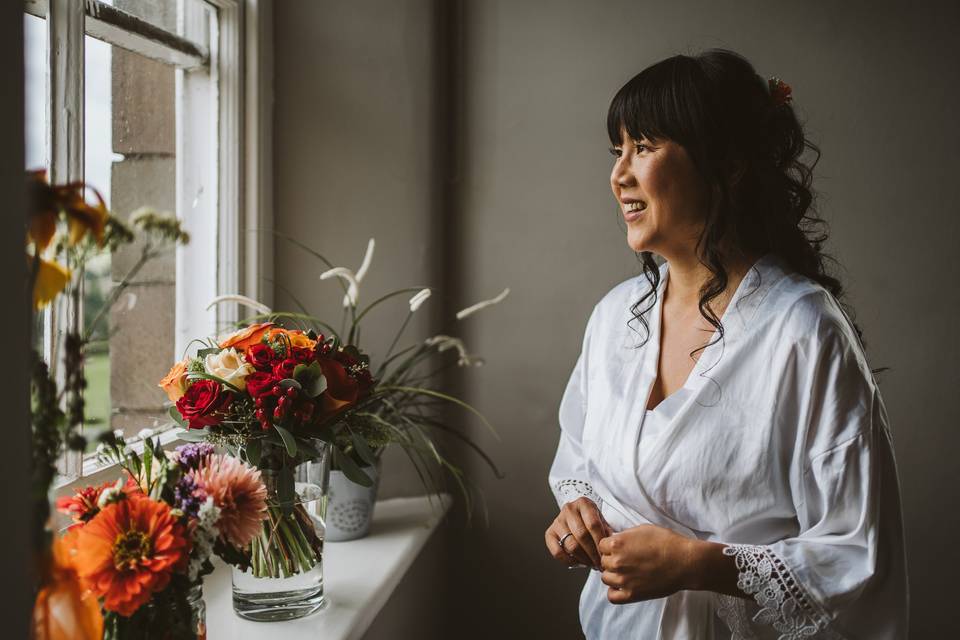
{"points": [[783, 602], [733, 612], [570, 489]]}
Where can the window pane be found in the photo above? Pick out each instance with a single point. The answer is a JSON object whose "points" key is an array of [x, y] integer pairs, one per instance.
{"points": [[35, 113], [35, 90], [130, 143]]}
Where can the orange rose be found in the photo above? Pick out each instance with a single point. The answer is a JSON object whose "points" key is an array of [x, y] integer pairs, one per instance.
{"points": [[175, 382], [297, 338], [246, 337]]}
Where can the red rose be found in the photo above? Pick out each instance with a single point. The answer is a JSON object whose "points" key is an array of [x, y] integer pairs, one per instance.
{"points": [[284, 369], [260, 356], [302, 355], [203, 403], [260, 383]]}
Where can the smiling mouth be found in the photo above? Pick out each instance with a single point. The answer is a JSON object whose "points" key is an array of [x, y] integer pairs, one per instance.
{"points": [[633, 210]]}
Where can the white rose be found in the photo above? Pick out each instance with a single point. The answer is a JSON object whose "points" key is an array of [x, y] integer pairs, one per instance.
{"points": [[229, 365]]}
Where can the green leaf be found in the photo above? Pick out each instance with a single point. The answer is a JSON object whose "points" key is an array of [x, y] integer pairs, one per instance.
{"points": [[196, 375], [350, 469], [203, 353], [443, 396], [253, 452], [176, 417], [311, 377], [288, 440], [195, 435], [287, 383], [363, 449], [317, 386], [147, 464]]}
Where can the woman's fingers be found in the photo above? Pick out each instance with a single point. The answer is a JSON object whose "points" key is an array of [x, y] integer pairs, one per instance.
{"points": [[581, 519], [573, 516], [553, 546], [570, 551], [593, 520]]}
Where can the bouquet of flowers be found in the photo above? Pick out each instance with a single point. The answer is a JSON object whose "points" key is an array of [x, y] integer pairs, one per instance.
{"points": [[142, 546], [270, 395], [274, 395]]}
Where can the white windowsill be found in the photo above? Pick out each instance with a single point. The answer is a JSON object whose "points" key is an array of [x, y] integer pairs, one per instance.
{"points": [[359, 577]]}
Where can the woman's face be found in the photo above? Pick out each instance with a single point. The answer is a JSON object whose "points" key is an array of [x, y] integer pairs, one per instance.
{"points": [[662, 197]]}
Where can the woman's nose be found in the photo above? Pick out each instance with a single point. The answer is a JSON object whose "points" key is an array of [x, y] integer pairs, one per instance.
{"points": [[622, 176]]}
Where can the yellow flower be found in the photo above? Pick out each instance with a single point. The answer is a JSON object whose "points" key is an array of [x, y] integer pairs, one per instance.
{"points": [[48, 201], [52, 278]]}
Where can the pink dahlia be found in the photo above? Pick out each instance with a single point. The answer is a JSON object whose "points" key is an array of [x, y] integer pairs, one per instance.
{"points": [[239, 492]]}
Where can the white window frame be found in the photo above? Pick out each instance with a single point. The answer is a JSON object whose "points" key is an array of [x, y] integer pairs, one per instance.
{"points": [[230, 252]]}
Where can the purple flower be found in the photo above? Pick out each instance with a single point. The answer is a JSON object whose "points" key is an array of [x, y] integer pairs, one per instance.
{"points": [[190, 456], [188, 496]]}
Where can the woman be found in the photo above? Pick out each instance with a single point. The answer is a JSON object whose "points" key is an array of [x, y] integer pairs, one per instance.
{"points": [[742, 486]]}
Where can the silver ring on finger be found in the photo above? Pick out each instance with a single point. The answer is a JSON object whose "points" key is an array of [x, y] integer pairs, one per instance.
{"points": [[563, 539]]}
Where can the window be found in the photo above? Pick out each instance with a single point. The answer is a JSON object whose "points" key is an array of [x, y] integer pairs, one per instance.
{"points": [[145, 101]]}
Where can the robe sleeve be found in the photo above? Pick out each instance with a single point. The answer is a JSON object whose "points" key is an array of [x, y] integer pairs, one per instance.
{"points": [[843, 575], [568, 476]]}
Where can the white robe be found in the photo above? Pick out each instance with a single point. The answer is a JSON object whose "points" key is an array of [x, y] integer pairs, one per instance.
{"points": [[777, 446]]}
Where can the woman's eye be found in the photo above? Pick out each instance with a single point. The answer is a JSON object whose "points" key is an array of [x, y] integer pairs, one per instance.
{"points": [[614, 151], [640, 146]]}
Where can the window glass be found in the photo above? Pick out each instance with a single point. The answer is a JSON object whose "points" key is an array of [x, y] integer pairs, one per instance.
{"points": [[35, 90], [130, 156]]}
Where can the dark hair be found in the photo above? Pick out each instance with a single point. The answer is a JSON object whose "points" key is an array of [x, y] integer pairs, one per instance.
{"points": [[747, 147]]}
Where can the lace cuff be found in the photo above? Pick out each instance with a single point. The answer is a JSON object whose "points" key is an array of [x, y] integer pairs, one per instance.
{"points": [[570, 489], [783, 602]]}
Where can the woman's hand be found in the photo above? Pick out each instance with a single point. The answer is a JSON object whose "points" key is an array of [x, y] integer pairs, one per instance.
{"points": [[646, 562], [583, 519]]}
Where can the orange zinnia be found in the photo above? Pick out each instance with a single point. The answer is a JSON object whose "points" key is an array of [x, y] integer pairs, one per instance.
{"points": [[129, 551], [246, 337]]}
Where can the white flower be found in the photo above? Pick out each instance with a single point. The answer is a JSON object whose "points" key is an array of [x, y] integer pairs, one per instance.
{"points": [[362, 271], [143, 434], [204, 536], [259, 307], [230, 365], [118, 433], [480, 305], [419, 299], [443, 343], [352, 291], [110, 494]]}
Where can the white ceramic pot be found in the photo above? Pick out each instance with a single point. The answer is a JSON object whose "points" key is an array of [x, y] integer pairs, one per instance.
{"points": [[350, 505]]}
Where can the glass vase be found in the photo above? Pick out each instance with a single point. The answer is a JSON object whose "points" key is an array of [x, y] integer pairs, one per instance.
{"points": [[162, 618], [285, 577]]}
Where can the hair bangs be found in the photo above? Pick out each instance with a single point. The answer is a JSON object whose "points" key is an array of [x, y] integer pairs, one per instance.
{"points": [[660, 102]]}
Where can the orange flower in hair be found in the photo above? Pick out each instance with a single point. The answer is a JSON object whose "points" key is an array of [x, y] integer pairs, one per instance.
{"points": [[780, 91]]}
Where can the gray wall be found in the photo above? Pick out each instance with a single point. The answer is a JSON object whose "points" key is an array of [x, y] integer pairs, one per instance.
{"points": [[532, 210]]}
